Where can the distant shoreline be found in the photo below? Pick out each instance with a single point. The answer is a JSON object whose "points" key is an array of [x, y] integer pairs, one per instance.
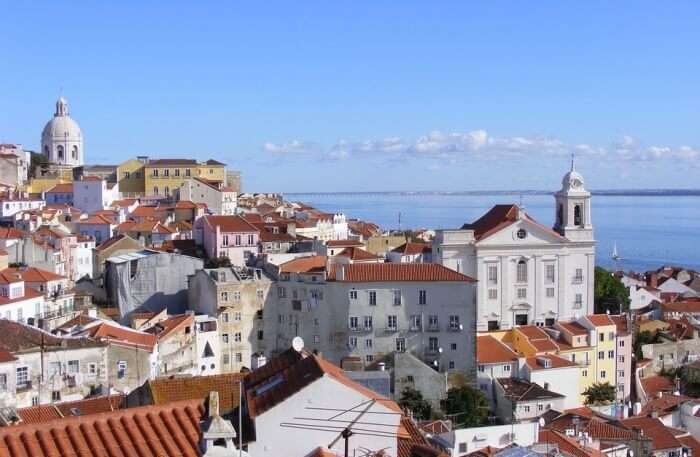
{"points": [[603, 193]]}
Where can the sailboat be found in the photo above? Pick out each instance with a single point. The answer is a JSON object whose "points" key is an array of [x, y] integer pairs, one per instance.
{"points": [[615, 255]]}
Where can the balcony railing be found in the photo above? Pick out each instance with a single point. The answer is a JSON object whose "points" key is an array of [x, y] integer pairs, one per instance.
{"points": [[391, 329], [415, 328], [433, 327], [432, 351], [454, 328]]}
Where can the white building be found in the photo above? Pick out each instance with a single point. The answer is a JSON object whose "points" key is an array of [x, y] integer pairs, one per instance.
{"points": [[642, 296], [14, 164], [62, 140], [368, 310], [220, 201], [97, 226], [467, 440], [93, 193], [11, 204], [527, 273]]}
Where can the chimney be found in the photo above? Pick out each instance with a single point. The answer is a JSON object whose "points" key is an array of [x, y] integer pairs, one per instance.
{"points": [[653, 280], [382, 366]]}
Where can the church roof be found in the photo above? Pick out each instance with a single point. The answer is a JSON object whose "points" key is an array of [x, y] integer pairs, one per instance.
{"points": [[500, 217]]}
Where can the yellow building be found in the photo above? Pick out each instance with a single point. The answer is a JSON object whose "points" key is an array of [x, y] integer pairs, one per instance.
{"points": [[574, 345], [142, 176]]}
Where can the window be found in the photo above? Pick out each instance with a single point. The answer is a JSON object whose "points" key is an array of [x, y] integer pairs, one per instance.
{"points": [[259, 294], [391, 322], [611, 336], [549, 292], [368, 343], [433, 344], [3, 382], [621, 373], [127, 175], [227, 359], [236, 296], [621, 359], [493, 275], [155, 172], [451, 365], [56, 395], [317, 339], [224, 240], [353, 323], [601, 336], [166, 191], [601, 355], [493, 294], [397, 297], [549, 274], [92, 368], [521, 319], [352, 342], [121, 369], [422, 297], [237, 337], [224, 297], [549, 322], [187, 172], [22, 377], [251, 240], [372, 297], [462, 447], [353, 295], [578, 302], [611, 354], [522, 293], [584, 373], [177, 172], [415, 322], [73, 366], [482, 368], [400, 344], [261, 335], [155, 190], [521, 271], [239, 357], [281, 292], [368, 322], [493, 325], [526, 408], [540, 407], [166, 172], [35, 401], [369, 358], [238, 240], [224, 337], [453, 346], [622, 343], [433, 323], [578, 276], [577, 215], [602, 374], [506, 368], [454, 323]]}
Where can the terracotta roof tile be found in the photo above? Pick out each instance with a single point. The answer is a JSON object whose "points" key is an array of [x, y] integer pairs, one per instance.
{"points": [[358, 254], [344, 243], [64, 188], [600, 320], [573, 328], [31, 274], [663, 405], [230, 224], [396, 272], [652, 385], [654, 429], [568, 446], [167, 390], [97, 219], [490, 350], [554, 361], [166, 327], [96, 405], [522, 390], [315, 263], [413, 248]]}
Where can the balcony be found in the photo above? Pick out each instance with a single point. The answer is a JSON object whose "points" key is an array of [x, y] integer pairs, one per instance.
{"points": [[415, 328], [455, 328], [391, 329], [434, 327], [360, 329], [25, 386], [431, 351]]}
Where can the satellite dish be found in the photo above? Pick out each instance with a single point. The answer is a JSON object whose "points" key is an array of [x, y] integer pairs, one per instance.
{"points": [[297, 343]]}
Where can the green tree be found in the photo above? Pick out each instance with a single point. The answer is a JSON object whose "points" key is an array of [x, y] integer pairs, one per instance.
{"points": [[413, 400], [218, 262], [467, 406], [640, 339], [600, 394], [610, 294], [36, 160]]}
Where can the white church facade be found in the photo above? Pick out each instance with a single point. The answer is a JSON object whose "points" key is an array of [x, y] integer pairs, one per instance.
{"points": [[527, 273]]}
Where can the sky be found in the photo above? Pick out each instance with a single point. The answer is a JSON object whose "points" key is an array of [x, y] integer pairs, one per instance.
{"points": [[368, 96]]}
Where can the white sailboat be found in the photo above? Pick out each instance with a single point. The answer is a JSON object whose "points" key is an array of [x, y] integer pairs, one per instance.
{"points": [[615, 255]]}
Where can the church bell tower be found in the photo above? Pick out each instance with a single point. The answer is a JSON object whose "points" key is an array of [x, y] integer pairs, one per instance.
{"points": [[573, 208]]}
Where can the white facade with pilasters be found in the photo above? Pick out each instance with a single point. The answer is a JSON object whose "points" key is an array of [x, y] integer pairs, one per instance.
{"points": [[526, 272]]}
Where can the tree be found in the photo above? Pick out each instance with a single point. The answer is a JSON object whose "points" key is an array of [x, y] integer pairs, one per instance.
{"points": [[467, 406], [610, 294], [218, 262], [640, 339], [600, 394], [36, 160], [413, 400]]}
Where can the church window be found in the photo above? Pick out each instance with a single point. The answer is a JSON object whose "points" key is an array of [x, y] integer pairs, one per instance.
{"points": [[166, 190], [550, 292], [578, 216], [578, 301], [578, 277], [177, 172], [155, 172], [521, 275], [549, 274], [155, 190], [522, 234], [493, 294], [493, 274], [59, 149], [187, 172], [74, 152], [560, 214], [166, 172], [522, 293]]}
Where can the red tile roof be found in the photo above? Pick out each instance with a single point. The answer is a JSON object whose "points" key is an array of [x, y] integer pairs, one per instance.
{"points": [[32, 274], [112, 332], [64, 188], [97, 219], [96, 405], [654, 429], [653, 385], [171, 430], [396, 272], [499, 217], [29, 293], [690, 442], [11, 233], [554, 361], [358, 254], [166, 327], [663, 405], [568, 446], [314, 263], [600, 320], [573, 328], [413, 248], [344, 243], [168, 390], [538, 338], [17, 337], [290, 372], [490, 350], [230, 224]]}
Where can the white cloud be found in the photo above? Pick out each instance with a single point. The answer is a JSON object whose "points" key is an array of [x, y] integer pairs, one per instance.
{"points": [[479, 145]]}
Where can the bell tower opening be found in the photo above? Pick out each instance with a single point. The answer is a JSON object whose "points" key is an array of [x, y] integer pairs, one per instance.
{"points": [[573, 208]]}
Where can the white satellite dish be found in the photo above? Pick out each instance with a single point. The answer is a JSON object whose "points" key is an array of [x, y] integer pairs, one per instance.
{"points": [[297, 343]]}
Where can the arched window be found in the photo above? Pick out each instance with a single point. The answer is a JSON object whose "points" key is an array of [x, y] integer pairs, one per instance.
{"points": [[521, 272], [578, 218], [166, 191], [59, 150], [155, 190], [74, 152], [560, 214]]}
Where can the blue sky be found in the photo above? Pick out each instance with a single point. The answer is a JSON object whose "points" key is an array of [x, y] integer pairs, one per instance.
{"points": [[368, 95]]}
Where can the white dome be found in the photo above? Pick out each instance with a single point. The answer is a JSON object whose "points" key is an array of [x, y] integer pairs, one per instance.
{"points": [[572, 177], [61, 128], [62, 139]]}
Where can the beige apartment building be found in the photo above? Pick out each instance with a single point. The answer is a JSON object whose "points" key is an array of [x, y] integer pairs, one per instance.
{"points": [[237, 298]]}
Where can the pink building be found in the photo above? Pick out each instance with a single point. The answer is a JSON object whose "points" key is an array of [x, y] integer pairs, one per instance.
{"points": [[229, 236]]}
